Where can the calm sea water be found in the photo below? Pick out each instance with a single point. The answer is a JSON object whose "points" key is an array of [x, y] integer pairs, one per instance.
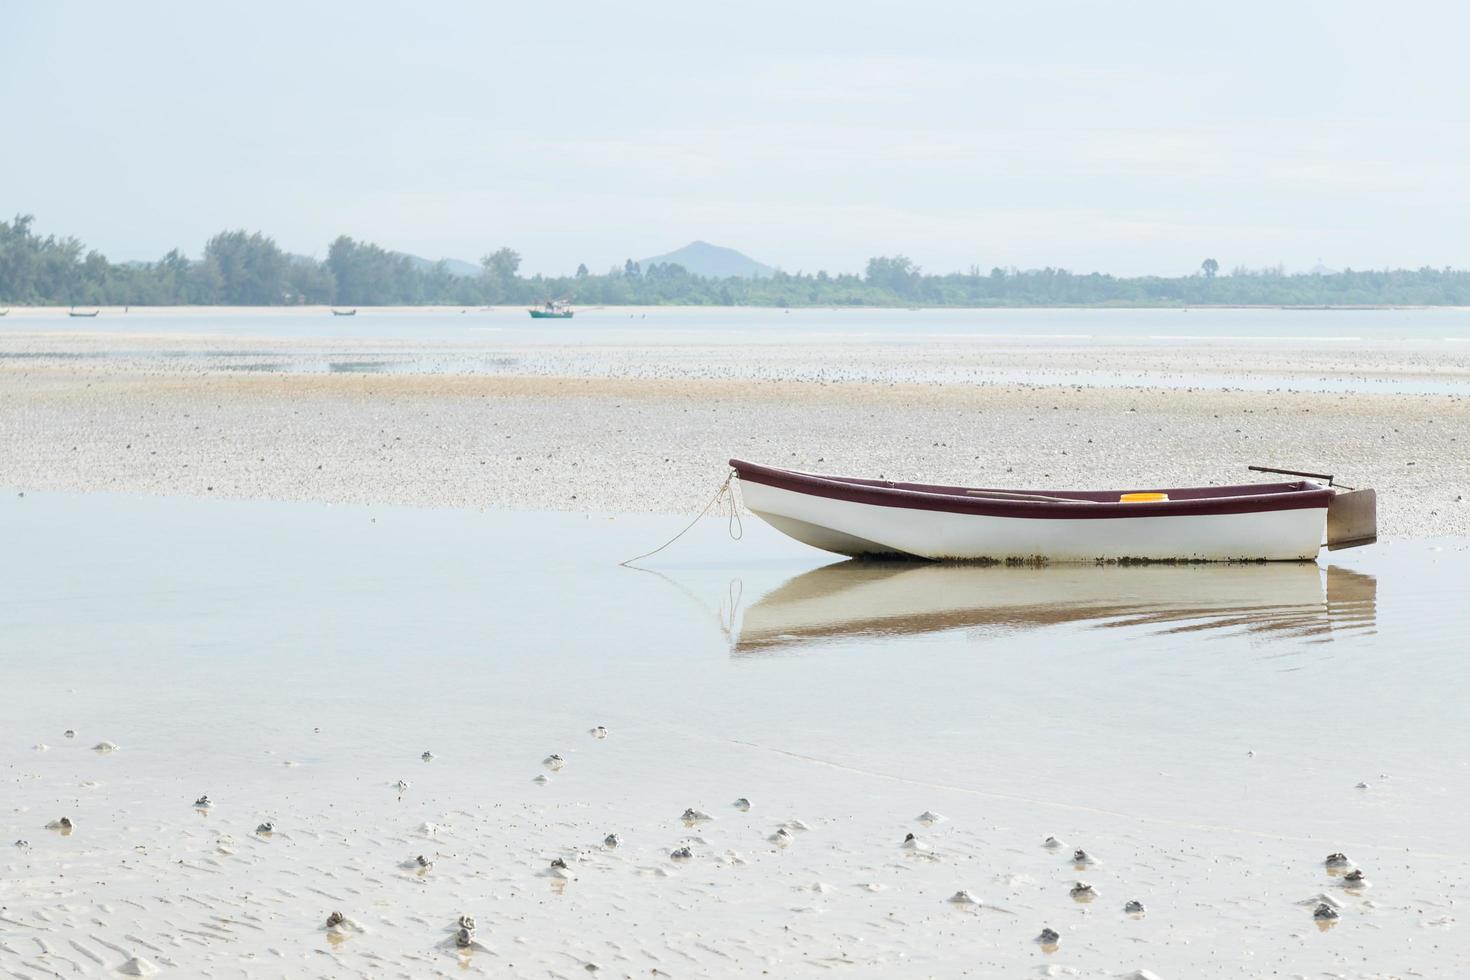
{"points": [[1201, 730], [684, 324], [230, 624]]}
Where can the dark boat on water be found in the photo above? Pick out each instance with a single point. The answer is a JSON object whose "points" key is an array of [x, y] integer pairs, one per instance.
{"points": [[351, 312], [75, 313]]}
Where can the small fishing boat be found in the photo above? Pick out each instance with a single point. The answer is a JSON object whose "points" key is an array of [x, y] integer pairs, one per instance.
{"points": [[351, 312], [78, 313], [553, 310], [883, 518]]}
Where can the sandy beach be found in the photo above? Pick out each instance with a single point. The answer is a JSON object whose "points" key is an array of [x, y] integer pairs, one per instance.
{"points": [[635, 426], [323, 644]]}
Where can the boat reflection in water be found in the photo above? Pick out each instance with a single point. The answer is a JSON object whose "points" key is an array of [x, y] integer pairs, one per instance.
{"points": [[867, 599]]}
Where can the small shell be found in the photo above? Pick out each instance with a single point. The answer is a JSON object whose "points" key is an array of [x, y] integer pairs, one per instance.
{"points": [[1048, 937], [612, 840], [741, 804], [692, 815], [929, 818], [467, 922], [681, 854], [1083, 891], [265, 828], [553, 762], [782, 836], [335, 919], [1337, 859], [1325, 912], [541, 778], [1080, 856], [1052, 844], [402, 785], [1134, 907], [597, 732], [963, 897], [559, 863], [427, 756], [105, 747], [465, 938], [203, 803]]}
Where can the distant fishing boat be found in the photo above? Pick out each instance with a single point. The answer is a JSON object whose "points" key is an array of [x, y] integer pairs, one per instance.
{"points": [[76, 313], [351, 312], [553, 310], [1252, 522]]}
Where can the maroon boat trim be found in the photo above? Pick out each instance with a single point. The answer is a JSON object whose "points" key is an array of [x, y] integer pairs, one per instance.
{"points": [[1250, 498]]}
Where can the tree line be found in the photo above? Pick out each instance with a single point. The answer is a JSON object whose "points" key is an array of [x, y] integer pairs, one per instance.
{"points": [[249, 269]]}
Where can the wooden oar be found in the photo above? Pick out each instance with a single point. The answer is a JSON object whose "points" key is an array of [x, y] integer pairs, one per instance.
{"points": [[1039, 498]]}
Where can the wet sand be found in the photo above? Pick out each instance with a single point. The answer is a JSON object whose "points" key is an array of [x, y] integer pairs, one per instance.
{"points": [[1200, 733], [648, 428]]}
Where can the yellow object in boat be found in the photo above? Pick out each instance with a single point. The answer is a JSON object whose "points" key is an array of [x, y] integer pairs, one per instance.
{"points": [[1141, 498]]}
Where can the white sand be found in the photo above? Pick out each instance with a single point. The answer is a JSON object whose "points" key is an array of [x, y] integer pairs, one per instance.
{"points": [[639, 427]]}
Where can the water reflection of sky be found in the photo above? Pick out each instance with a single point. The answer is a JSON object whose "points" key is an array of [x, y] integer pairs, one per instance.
{"points": [[227, 623]]}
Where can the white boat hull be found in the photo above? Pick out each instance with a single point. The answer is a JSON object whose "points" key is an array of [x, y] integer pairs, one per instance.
{"points": [[856, 529]]}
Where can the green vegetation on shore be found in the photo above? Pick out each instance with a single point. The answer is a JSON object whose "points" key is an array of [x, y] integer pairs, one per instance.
{"points": [[240, 268]]}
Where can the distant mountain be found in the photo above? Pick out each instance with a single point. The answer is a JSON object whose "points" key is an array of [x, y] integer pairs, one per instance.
{"points": [[704, 259], [456, 267]]}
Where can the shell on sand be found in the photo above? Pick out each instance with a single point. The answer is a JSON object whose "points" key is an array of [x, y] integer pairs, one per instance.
{"points": [[541, 778], [137, 966], [1052, 844], [692, 815], [553, 762], [597, 732], [105, 747], [741, 804], [963, 897], [929, 818], [611, 840]]}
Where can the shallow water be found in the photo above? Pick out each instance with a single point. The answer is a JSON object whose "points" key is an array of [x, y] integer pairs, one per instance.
{"points": [[701, 324], [1201, 729]]}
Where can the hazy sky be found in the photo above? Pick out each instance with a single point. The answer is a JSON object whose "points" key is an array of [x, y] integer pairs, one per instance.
{"points": [[1123, 137]]}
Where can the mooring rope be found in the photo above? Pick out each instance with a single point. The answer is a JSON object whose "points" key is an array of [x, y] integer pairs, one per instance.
{"points": [[734, 526]]}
